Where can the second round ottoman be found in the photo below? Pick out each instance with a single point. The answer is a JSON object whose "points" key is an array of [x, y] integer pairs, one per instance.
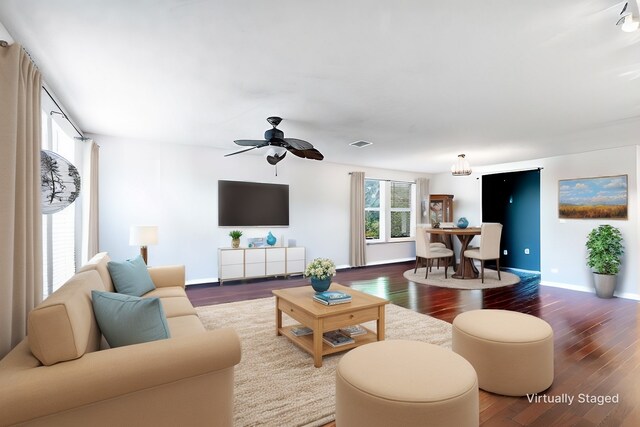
{"points": [[511, 352], [405, 383]]}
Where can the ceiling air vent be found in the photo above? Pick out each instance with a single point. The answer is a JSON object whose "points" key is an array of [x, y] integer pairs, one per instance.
{"points": [[361, 144]]}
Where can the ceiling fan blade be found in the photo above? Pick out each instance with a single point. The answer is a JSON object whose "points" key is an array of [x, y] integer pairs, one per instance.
{"points": [[313, 154], [299, 153], [273, 160], [249, 142], [307, 154], [242, 151], [298, 144]]}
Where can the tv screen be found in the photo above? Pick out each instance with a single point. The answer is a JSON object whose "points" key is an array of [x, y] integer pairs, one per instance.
{"points": [[252, 204]]}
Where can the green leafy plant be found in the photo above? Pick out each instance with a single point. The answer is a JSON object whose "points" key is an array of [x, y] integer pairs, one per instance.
{"points": [[235, 234], [320, 268], [605, 249]]}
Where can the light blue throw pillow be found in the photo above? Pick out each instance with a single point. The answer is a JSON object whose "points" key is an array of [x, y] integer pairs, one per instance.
{"points": [[131, 277], [126, 320]]}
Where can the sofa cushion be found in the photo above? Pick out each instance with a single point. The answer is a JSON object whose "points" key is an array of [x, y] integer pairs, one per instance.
{"points": [[131, 277], [171, 291], [63, 326], [185, 325], [177, 306], [126, 319]]}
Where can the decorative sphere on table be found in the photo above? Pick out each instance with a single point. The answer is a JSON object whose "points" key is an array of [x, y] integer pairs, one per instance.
{"points": [[463, 223], [271, 239], [320, 285]]}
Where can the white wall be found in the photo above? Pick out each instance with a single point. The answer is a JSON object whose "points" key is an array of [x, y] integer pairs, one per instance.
{"points": [[175, 187], [562, 242]]}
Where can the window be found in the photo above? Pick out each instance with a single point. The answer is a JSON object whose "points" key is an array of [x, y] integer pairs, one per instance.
{"points": [[401, 202], [372, 204], [58, 229], [389, 210]]}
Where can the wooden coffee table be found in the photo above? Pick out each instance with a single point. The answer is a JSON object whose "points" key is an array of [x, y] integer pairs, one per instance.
{"points": [[298, 303]]}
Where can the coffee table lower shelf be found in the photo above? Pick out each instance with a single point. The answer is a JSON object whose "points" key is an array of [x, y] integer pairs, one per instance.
{"points": [[305, 342]]}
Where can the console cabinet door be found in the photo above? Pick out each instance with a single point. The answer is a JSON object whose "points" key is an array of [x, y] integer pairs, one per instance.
{"points": [[254, 262], [276, 261], [230, 264], [295, 260]]}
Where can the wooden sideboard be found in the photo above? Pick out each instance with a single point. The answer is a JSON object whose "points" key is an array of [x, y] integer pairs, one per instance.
{"points": [[248, 263]]}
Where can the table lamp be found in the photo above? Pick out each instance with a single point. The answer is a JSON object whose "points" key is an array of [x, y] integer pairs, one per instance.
{"points": [[143, 235]]}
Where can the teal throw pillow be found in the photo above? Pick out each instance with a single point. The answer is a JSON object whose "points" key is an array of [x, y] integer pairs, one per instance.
{"points": [[126, 320], [131, 277]]}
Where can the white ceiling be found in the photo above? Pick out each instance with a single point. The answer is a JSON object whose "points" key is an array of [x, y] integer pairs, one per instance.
{"points": [[499, 80]]}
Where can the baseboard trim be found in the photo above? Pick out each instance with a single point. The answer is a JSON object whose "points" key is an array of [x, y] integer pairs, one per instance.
{"points": [[578, 288]]}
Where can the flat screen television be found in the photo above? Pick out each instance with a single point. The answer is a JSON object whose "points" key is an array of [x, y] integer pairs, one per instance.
{"points": [[252, 204]]}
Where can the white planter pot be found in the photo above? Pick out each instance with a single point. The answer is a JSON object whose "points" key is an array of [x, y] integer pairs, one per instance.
{"points": [[605, 284]]}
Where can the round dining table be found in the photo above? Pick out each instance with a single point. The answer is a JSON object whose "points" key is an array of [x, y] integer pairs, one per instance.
{"points": [[466, 268]]}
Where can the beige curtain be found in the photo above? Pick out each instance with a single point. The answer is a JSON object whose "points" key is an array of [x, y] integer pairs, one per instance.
{"points": [[357, 237], [422, 201], [90, 207], [20, 213]]}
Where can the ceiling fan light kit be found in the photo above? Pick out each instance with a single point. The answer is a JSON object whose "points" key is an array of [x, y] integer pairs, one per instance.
{"points": [[461, 166], [279, 145]]}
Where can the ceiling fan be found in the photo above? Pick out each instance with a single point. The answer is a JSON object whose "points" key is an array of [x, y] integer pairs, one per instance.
{"points": [[274, 138]]}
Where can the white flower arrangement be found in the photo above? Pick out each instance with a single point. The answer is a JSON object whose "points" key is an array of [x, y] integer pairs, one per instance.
{"points": [[320, 268]]}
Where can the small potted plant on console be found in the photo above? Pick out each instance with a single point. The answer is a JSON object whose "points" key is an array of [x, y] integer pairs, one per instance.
{"points": [[235, 238]]}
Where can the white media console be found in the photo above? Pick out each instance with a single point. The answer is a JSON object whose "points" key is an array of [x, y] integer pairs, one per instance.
{"points": [[248, 263]]}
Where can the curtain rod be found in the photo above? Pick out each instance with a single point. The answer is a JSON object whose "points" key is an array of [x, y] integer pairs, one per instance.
{"points": [[4, 43], [62, 113], [387, 180]]}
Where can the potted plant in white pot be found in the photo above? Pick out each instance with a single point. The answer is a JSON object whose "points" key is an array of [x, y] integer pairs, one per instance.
{"points": [[605, 249]]}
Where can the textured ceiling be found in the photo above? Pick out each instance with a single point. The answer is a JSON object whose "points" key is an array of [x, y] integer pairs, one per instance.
{"points": [[423, 80]]}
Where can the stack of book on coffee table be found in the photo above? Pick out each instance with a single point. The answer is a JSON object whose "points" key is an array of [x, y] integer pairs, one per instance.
{"points": [[332, 297]]}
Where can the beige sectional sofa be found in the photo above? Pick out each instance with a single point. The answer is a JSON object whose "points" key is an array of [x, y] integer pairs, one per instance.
{"points": [[62, 374]]}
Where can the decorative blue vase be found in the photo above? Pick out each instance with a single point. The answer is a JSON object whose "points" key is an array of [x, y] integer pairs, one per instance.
{"points": [[463, 223], [271, 239], [320, 285]]}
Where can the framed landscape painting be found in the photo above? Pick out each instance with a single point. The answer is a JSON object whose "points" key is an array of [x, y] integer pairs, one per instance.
{"points": [[593, 198]]}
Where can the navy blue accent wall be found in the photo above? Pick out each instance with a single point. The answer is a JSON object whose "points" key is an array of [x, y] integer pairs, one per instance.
{"points": [[513, 199]]}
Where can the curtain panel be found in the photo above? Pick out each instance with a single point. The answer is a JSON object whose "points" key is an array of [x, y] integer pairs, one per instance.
{"points": [[357, 232], [20, 212], [90, 207], [422, 201]]}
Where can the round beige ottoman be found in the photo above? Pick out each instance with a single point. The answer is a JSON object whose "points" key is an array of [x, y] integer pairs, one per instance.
{"points": [[512, 352], [405, 383]]}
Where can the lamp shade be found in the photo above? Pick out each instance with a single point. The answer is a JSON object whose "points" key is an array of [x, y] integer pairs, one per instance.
{"points": [[143, 235]]}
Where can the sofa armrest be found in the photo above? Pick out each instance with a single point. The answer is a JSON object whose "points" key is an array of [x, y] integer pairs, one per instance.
{"points": [[36, 392], [170, 275]]}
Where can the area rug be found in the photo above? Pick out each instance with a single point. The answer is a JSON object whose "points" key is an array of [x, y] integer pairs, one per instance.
{"points": [[276, 383], [436, 278]]}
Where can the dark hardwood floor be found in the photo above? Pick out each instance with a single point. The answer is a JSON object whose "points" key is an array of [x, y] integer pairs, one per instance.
{"points": [[596, 340]]}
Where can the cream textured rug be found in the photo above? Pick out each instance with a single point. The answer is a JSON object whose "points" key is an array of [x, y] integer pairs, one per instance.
{"points": [[276, 383], [436, 278]]}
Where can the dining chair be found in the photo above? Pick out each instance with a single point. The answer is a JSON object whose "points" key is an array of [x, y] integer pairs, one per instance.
{"points": [[490, 234], [430, 251], [419, 252]]}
